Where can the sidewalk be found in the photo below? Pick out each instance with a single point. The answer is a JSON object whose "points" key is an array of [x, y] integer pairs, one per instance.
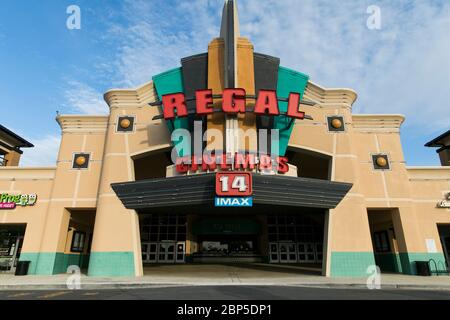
{"points": [[221, 275]]}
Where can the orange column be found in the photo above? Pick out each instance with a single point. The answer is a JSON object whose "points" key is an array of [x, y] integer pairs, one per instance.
{"points": [[216, 84], [246, 80]]}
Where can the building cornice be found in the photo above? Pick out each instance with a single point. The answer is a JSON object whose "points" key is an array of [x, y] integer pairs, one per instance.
{"points": [[35, 173], [428, 173], [137, 97], [330, 97], [377, 122], [82, 123]]}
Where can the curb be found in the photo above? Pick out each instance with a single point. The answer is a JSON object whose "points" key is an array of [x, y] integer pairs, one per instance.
{"points": [[128, 286], [383, 286], [88, 286]]}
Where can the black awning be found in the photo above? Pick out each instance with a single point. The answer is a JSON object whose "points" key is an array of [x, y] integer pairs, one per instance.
{"points": [[438, 141], [200, 190]]}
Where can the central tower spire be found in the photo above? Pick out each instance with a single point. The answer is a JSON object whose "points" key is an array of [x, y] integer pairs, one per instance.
{"points": [[229, 32], [230, 65]]}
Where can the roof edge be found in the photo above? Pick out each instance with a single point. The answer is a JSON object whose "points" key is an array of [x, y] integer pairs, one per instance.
{"points": [[26, 144], [435, 142]]}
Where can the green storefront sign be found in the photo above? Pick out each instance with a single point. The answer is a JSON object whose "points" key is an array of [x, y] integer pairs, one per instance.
{"points": [[10, 201]]}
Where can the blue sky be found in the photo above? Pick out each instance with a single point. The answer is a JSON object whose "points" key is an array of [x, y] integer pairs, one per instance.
{"points": [[403, 68]]}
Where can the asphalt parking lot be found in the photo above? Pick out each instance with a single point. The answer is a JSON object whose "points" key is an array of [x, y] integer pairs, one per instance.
{"points": [[228, 293]]}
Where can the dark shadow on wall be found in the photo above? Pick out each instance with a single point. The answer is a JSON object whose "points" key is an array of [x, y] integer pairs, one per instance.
{"points": [[152, 166], [310, 164]]}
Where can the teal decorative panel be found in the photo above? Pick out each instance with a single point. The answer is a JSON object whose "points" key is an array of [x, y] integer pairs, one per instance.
{"points": [[408, 261], [351, 264], [288, 81], [111, 264], [167, 83], [48, 263], [354, 264]]}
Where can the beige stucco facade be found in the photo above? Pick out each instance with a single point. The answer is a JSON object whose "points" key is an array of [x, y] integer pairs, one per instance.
{"points": [[409, 194], [390, 217]]}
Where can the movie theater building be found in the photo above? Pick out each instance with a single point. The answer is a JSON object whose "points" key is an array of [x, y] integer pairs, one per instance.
{"points": [[332, 193]]}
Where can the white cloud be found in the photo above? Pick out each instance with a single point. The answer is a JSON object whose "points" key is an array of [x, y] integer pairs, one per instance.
{"points": [[84, 99], [157, 35], [44, 153], [80, 98], [402, 68]]}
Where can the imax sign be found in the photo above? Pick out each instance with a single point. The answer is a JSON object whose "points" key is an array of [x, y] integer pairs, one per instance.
{"points": [[234, 202]]}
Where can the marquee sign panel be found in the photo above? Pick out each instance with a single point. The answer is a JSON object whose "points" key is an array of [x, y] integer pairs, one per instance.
{"points": [[234, 184]]}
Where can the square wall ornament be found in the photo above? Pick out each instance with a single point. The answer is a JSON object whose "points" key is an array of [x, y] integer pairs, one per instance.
{"points": [[381, 162], [336, 124], [81, 160], [125, 124]]}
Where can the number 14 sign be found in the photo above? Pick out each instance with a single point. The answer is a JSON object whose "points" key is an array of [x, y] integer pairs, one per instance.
{"points": [[234, 184]]}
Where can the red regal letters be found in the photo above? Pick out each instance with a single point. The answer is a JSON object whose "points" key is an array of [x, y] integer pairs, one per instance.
{"points": [[233, 102], [174, 102]]}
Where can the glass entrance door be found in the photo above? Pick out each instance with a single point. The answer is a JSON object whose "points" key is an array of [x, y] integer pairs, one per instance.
{"points": [[16, 253], [181, 252], [152, 252], [149, 252], [144, 252], [273, 253], [11, 240], [166, 252], [288, 252], [446, 246], [163, 238], [163, 252], [10, 253], [306, 252]]}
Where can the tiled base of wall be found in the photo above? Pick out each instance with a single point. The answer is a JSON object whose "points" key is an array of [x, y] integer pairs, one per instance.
{"points": [[99, 263], [111, 264], [355, 264], [343, 264], [409, 266], [351, 264], [48, 263]]}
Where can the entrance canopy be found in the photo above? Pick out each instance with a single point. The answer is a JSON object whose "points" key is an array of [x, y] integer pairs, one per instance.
{"points": [[199, 189]]}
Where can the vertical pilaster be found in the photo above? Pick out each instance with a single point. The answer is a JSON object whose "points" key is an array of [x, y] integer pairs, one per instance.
{"points": [[12, 159], [246, 79], [216, 83], [349, 244], [116, 242]]}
